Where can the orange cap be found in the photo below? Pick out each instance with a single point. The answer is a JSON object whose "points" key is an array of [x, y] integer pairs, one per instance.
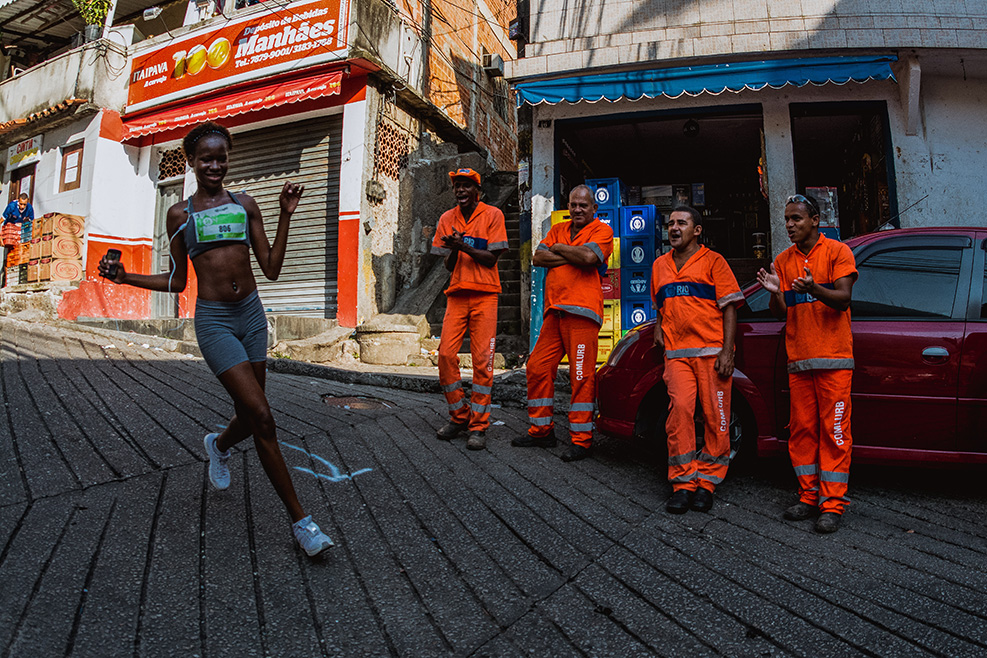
{"points": [[465, 173]]}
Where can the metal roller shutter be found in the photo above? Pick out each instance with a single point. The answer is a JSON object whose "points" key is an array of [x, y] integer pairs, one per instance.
{"points": [[306, 152]]}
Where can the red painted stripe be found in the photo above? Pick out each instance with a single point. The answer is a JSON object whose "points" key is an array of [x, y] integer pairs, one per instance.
{"points": [[347, 273]]}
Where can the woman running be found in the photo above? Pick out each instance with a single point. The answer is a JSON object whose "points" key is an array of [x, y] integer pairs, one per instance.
{"points": [[217, 229]]}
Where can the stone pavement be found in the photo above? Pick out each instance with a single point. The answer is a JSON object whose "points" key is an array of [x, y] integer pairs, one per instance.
{"points": [[112, 542]]}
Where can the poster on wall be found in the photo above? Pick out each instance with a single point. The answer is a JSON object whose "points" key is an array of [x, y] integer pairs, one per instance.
{"points": [[24, 153], [287, 38]]}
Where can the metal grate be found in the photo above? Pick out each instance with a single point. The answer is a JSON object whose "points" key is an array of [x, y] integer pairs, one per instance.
{"points": [[390, 149], [171, 164]]}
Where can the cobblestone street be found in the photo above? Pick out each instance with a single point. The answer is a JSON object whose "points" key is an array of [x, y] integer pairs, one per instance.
{"points": [[114, 543]]}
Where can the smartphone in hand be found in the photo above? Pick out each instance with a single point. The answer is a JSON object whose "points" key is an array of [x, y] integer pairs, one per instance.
{"points": [[112, 255]]}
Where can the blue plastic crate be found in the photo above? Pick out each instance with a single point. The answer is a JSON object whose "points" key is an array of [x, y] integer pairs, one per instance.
{"points": [[634, 312], [637, 221], [607, 192], [609, 217], [637, 252], [635, 283]]}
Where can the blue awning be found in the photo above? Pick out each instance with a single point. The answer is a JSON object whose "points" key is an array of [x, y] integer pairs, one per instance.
{"points": [[710, 78]]}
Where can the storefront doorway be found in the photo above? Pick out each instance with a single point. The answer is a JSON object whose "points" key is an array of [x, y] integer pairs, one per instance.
{"points": [[842, 160], [709, 158]]}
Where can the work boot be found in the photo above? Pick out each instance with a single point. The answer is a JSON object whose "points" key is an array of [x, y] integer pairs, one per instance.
{"points": [[477, 440], [528, 441], [801, 511], [575, 452], [679, 502], [450, 431], [703, 500], [828, 522]]}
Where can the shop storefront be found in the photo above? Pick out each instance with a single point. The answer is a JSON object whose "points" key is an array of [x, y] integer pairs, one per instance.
{"points": [[672, 137]]}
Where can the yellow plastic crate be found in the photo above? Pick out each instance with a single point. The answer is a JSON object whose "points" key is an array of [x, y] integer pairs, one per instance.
{"points": [[603, 352], [611, 317], [614, 262], [559, 216]]}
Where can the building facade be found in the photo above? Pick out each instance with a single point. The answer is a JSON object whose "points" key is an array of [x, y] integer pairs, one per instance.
{"points": [[871, 107], [344, 96]]}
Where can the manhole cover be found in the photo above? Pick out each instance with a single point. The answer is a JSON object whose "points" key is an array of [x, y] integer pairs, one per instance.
{"points": [[354, 402]]}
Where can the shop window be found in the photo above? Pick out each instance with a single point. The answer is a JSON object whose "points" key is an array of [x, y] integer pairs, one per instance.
{"points": [[914, 283], [390, 149], [171, 164], [842, 159], [71, 176]]}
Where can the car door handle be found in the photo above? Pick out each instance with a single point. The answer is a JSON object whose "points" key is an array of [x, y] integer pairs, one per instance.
{"points": [[936, 353]]}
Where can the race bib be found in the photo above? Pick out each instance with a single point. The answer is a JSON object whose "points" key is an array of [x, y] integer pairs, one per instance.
{"points": [[222, 223]]}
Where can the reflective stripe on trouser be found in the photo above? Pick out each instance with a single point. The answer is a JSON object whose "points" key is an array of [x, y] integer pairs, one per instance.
{"points": [[685, 379], [578, 337], [478, 313], [819, 442]]}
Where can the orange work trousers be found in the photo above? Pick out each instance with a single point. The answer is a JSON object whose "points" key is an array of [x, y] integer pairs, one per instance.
{"points": [[477, 312], [819, 442], [575, 336], [684, 379]]}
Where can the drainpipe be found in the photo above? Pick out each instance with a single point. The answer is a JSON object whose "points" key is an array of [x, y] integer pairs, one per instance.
{"points": [[108, 23]]}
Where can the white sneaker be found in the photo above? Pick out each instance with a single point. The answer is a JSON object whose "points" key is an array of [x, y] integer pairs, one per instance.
{"points": [[219, 472], [310, 537]]}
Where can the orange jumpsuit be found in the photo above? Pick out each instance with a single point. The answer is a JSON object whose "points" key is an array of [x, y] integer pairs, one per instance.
{"points": [[573, 316], [820, 369], [471, 303], [691, 302]]}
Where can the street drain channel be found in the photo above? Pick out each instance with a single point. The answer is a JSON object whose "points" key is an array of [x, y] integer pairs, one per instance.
{"points": [[354, 402]]}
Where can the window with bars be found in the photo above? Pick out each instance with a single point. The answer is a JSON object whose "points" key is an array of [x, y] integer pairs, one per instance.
{"points": [[171, 164]]}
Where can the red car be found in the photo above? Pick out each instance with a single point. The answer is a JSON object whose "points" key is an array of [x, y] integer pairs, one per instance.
{"points": [[919, 389]]}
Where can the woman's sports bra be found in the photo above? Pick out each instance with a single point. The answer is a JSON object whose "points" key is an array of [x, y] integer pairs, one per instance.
{"points": [[215, 227]]}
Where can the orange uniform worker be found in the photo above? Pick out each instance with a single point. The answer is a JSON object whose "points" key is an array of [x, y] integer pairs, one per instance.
{"points": [[574, 253], [811, 284], [696, 295], [471, 237]]}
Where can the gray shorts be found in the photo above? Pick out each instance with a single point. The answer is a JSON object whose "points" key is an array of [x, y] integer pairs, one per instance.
{"points": [[231, 333]]}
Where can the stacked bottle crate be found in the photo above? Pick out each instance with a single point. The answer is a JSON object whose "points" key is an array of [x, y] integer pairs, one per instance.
{"points": [[637, 246]]}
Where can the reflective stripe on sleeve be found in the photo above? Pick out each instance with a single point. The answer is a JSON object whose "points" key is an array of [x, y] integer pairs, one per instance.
{"points": [[479, 408], [809, 469], [541, 402], [581, 427], [833, 476], [449, 388], [582, 406], [483, 390], [730, 299], [456, 405], [595, 248], [540, 421], [496, 246]]}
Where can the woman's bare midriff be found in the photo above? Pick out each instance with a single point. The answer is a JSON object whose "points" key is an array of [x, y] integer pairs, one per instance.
{"points": [[224, 273]]}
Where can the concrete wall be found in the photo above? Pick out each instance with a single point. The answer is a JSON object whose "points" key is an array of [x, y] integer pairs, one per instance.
{"points": [[568, 36], [97, 71]]}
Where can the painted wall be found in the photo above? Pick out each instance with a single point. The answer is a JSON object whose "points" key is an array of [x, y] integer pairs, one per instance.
{"points": [[96, 71], [566, 36]]}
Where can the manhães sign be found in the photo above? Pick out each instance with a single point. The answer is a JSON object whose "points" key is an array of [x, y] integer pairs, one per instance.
{"points": [[24, 153], [287, 38]]}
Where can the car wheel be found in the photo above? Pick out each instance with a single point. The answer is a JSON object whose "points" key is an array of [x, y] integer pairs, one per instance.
{"points": [[736, 433]]}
